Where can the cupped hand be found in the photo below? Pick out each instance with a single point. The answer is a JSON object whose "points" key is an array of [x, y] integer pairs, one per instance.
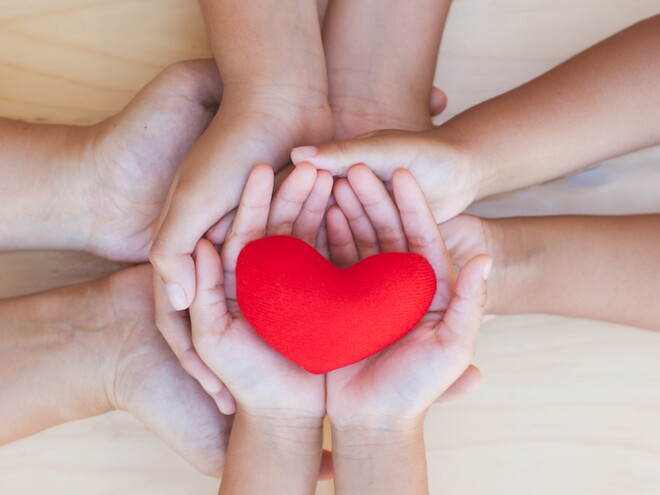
{"points": [[145, 379], [262, 382], [401, 382], [440, 164], [253, 125], [131, 158]]}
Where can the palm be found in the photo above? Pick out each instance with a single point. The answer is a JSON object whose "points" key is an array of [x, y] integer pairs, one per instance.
{"points": [[405, 378], [255, 374], [151, 385], [260, 379], [135, 156], [465, 237]]}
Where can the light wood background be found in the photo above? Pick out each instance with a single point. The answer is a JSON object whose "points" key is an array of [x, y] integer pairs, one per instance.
{"points": [[568, 406]]}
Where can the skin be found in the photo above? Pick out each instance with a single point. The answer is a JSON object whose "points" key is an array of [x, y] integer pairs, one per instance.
{"points": [[572, 265], [99, 350], [276, 101], [562, 121], [380, 73], [281, 431], [275, 429], [597, 267], [104, 186], [377, 406], [302, 85]]}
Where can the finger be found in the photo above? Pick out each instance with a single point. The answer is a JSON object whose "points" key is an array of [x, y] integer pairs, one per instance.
{"points": [[363, 232], [382, 151], [250, 222], [225, 402], [343, 251], [423, 235], [322, 240], [310, 217], [175, 328], [289, 200], [437, 102], [281, 176], [380, 209], [468, 382], [189, 213], [460, 325], [208, 312], [218, 232]]}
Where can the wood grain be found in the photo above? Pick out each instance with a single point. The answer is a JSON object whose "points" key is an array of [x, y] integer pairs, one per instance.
{"points": [[568, 406]]}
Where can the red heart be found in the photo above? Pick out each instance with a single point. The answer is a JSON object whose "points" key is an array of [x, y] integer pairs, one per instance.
{"points": [[323, 317]]}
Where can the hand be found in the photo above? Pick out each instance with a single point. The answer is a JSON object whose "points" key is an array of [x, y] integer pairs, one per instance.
{"points": [[263, 383], [440, 166], [400, 383], [252, 126], [130, 159], [144, 377], [280, 406], [380, 72]]}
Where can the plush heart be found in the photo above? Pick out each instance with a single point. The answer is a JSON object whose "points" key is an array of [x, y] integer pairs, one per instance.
{"points": [[323, 317]]}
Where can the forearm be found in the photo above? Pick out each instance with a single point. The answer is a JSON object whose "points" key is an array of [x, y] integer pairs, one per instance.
{"points": [[40, 195], [598, 267], [599, 104], [384, 461], [50, 372], [285, 452], [381, 59], [266, 42]]}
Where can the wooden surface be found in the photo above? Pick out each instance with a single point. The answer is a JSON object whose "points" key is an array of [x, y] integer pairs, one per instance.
{"points": [[567, 406]]}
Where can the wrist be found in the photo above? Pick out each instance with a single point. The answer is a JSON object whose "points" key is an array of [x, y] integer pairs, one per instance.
{"points": [[384, 461], [515, 252], [362, 437], [69, 381], [482, 169], [280, 39], [288, 453], [290, 431], [44, 206]]}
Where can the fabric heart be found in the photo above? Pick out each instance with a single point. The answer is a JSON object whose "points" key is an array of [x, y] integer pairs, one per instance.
{"points": [[322, 317]]}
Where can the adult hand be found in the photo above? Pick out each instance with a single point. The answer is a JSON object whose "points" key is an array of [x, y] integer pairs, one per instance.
{"points": [[146, 380], [130, 159], [86, 349], [247, 130]]}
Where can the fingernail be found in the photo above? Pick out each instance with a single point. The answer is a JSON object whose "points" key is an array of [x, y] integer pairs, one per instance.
{"points": [[303, 152], [177, 296], [487, 267], [210, 386]]}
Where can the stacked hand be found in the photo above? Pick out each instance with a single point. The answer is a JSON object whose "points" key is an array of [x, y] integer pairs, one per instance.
{"points": [[390, 390]]}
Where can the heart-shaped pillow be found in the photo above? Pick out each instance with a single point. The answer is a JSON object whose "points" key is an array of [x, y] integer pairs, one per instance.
{"points": [[323, 317]]}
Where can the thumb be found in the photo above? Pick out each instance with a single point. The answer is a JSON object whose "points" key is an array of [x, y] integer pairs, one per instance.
{"points": [[462, 320], [382, 151]]}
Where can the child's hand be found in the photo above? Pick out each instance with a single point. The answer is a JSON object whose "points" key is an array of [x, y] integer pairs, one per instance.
{"points": [[395, 387], [262, 382], [441, 167]]}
